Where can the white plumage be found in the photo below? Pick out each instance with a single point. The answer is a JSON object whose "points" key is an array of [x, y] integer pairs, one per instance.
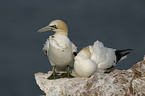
{"points": [[94, 58], [83, 65], [58, 47], [60, 51], [104, 57], [97, 57]]}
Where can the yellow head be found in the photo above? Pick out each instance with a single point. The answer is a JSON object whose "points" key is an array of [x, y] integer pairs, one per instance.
{"points": [[57, 25], [86, 49], [86, 52]]}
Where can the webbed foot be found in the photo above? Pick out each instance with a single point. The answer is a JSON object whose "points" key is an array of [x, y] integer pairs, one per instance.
{"points": [[54, 75]]}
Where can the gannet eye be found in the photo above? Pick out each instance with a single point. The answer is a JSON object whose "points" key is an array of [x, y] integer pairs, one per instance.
{"points": [[54, 26]]}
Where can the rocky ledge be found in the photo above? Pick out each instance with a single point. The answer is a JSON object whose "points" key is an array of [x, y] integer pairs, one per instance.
{"points": [[129, 82]]}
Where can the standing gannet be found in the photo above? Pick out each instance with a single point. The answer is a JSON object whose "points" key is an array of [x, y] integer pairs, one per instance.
{"points": [[58, 47], [106, 58], [83, 65]]}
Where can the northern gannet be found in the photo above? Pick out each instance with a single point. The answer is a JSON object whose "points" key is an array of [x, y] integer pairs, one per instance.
{"points": [[58, 47], [83, 65], [97, 57]]}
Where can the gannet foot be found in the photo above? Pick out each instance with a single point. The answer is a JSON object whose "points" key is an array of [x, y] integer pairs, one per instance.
{"points": [[108, 70], [69, 75], [54, 75], [60, 75], [66, 75]]}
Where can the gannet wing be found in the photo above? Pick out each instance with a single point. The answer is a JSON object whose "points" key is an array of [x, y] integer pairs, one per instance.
{"points": [[74, 49], [103, 56], [46, 47], [98, 54]]}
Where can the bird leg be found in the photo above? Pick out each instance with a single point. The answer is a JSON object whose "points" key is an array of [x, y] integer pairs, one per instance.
{"points": [[68, 72], [53, 75]]}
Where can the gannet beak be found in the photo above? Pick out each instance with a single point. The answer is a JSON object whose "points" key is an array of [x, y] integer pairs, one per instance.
{"points": [[47, 28]]}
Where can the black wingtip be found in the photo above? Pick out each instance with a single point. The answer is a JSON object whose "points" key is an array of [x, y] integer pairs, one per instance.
{"points": [[124, 50], [121, 53]]}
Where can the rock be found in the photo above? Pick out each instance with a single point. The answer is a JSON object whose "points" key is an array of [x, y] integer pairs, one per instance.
{"points": [[129, 82]]}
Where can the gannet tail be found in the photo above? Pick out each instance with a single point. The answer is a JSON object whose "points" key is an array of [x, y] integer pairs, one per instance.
{"points": [[122, 54]]}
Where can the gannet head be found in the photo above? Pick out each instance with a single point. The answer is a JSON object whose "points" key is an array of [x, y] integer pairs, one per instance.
{"points": [[57, 25], [85, 52]]}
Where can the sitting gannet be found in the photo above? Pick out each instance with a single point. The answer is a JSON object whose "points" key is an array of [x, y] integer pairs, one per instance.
{"points": [[97, 57], [58, 47], [83, 65]]}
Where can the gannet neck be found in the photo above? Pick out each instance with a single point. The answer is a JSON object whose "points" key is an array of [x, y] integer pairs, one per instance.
{"points": [[61, 32]]}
